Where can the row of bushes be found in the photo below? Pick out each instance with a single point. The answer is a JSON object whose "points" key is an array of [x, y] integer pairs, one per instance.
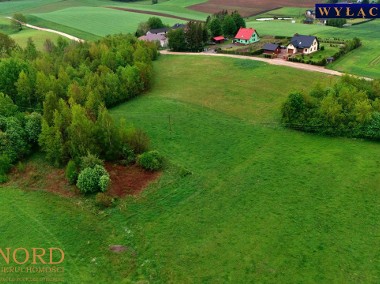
{"points": [[321, 62], [237, 52], [349, 108]]}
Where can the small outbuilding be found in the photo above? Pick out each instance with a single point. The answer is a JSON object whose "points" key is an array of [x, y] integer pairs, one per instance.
{"points": [[271, 48], [219, 39]]}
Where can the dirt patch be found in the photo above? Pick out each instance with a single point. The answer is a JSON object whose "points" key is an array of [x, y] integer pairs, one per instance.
{"points": [[128, 180], [249, 8], [149, 13], [50, 179]]}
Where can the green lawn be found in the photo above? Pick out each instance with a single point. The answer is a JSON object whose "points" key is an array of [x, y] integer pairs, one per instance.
{"points": [[291, 12], [263, 204], [99, 21]]}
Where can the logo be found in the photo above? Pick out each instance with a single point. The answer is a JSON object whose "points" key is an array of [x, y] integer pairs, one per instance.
{"points": [[328, 11], [20, 256]]}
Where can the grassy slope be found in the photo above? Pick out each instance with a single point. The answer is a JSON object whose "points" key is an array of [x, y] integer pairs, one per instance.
{"points": [[99, 21], [263, 203], [21, 37]]}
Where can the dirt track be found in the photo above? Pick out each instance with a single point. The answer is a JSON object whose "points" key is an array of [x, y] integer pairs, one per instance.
{"points": [[279, 62], [74, 38]]}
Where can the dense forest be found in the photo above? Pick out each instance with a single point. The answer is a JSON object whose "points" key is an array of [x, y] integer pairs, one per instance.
{"points": [[349, 108], [56, 101]]}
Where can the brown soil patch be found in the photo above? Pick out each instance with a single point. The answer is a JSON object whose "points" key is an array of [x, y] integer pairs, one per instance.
{"points": [[149, 13], [128, 180], [249, 7], [48, 179]]}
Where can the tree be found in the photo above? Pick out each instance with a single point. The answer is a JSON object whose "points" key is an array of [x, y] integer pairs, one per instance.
{"points": [[177, 40], [7, 107], [215, 27], [7, 45], [229, 26], [155, 23], [30, 50], [18, 20], [25, 91], [142, 29], [239, 21], [154, 2]]}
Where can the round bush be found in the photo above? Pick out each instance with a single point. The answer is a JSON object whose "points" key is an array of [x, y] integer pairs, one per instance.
{"points": [[89, 179], [151, 160]]}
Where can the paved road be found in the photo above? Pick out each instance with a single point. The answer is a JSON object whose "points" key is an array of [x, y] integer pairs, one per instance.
{"points": [[276, 61], [49, 31]]}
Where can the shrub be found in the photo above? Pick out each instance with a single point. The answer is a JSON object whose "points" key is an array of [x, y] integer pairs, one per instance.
{"points": [[5, 164], [151, 160], [3, 178], [322, 47], [71, 172], [90, 161], [138, 141], [93, 180], [20, 167], [33, 127], [104, 182], [104, 200], [127, 155]]}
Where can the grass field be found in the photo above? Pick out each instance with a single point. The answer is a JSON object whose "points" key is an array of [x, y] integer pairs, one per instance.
{"points": [[263, 203], [286, 28], [99, 21], [364, 61], [291, 12], [172, 7], [21, 37]]}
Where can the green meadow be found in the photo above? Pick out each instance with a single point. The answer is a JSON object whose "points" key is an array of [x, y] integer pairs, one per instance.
{"points": [[242, 199], [100, 21]]}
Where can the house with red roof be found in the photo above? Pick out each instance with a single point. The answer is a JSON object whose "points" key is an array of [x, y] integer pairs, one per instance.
{"points": [[246, 36]]}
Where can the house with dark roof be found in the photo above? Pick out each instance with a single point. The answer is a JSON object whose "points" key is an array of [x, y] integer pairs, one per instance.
{"points": [[178, 26], [246, 36], [302, 44], [271, 48], [160, 31]]}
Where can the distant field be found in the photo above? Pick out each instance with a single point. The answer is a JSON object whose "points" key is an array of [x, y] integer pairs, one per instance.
{"points": [[172, 7], [100, 21], [248, 7], [21, 37], [291, 12], [10, 7], [286, 28], [364, 61]]}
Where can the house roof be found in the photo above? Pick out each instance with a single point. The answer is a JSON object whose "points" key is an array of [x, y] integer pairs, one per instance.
{"points": [[302, 41], [244, 33], [152, 37], [178, 26], [270, 46], [158, 31], [219, 38]]}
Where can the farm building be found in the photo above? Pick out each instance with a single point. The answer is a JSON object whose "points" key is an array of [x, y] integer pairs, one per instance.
{"points": [[246, 36], [271, 48], [155, 37], [302, 44], [219, 39]]}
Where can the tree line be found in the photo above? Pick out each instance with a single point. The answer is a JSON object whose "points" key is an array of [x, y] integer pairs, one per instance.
{"points": [[351, 108]]}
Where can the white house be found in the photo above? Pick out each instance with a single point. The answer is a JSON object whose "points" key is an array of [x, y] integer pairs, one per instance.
{"points": [[302, 44]]}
